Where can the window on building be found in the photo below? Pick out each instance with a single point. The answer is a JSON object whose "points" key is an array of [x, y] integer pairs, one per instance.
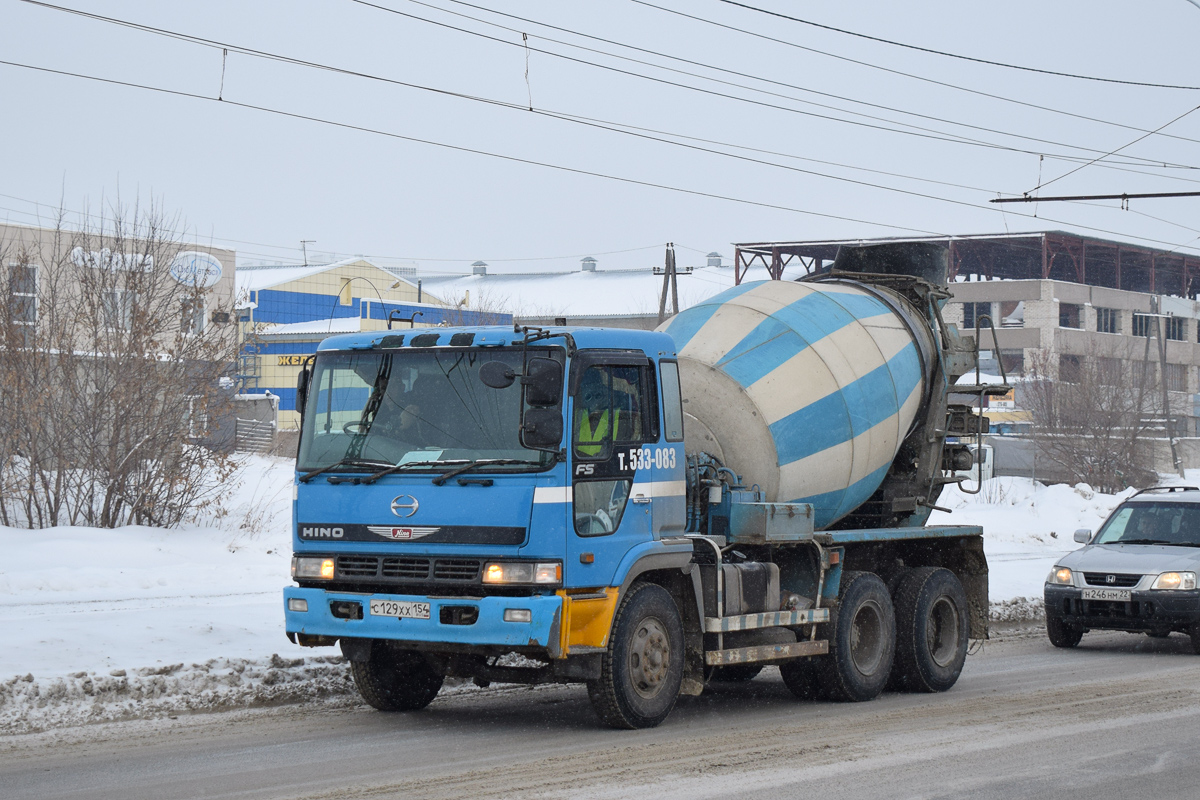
{"points": [[1177, 377], [118, 309], [1108, 371], [1175, 328], [973, 312], [1013, 362], [1108, 320], [1070, 315], [1012, 314], [1143, 324], [1070, 368], [22, 301], [191, 321]]}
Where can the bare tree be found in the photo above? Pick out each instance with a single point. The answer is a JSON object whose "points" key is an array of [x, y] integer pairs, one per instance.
{"points": [[110, 363], [1094, 416]]}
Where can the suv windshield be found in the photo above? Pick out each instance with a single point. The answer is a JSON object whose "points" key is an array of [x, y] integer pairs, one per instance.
{"points": [[425, 407], [1153, 523]]}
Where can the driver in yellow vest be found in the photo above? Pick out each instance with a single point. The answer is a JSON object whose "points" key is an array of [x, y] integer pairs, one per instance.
{"points": [[593, 422]]}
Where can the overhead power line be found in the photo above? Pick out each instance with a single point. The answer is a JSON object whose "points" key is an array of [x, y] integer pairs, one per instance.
{"points": [[1121, 197], [472, 150], [957, 55], [770, 81], [893, 71], [531, 162]]}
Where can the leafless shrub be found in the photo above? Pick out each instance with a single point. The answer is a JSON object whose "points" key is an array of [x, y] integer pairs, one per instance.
{"points": [[109, 368], [1093, 416]]}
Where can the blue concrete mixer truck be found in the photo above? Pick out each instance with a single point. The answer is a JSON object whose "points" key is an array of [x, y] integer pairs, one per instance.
{"points": [[647, 511]]}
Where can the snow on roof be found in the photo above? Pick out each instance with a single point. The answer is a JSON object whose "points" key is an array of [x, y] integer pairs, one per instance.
{"points": [[251, 279], [591, 294], [316, 326]]}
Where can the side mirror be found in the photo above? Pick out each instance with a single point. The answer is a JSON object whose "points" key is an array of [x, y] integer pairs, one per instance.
{"points": [[1083, 535], [302, 381], [497, 375], [544, 382], [542, 428]]}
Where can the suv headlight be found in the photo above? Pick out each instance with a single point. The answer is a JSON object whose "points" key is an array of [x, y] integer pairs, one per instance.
{"points": [[1175, 580], [1060, 576], [522, 572], [321, 568]]}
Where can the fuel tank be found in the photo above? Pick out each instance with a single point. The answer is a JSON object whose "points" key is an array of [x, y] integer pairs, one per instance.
{"points": [[806, 389]]}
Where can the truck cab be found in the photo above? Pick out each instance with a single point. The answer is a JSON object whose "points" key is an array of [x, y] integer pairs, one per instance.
{"points": [[470, 493]]}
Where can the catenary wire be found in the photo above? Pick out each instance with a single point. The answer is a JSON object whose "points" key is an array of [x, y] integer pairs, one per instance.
{"points": [[957, 55], [890, 70], [531, 162]]}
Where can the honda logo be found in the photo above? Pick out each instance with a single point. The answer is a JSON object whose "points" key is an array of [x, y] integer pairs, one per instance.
{"points": [[401, 508], [1110, 578]]}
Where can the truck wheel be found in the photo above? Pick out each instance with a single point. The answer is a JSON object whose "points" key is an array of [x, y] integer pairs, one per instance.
{"points": [[1060, 633], [800, 677], [862, 640], [931, 630], [642, 669], [396, 680]]}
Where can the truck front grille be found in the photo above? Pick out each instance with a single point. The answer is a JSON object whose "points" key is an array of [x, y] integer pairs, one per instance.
{"points": [[1119, 581], [358, 566], [407, 567], [456, 569]]}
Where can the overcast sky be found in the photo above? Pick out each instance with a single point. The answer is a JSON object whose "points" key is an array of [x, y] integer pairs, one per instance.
{"points": [[260, 182]]}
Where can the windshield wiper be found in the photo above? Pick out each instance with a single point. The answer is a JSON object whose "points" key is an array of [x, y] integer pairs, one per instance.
{"points": [[345, 462], [391, 470], [1141, 541], [482, 462]]}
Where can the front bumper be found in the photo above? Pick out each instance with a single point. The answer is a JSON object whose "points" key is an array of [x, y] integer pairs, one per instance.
{"points": [[488, 630], [1146, 610]]}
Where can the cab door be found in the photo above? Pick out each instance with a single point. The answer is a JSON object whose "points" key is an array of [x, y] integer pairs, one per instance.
{"points": [[612, 409]]}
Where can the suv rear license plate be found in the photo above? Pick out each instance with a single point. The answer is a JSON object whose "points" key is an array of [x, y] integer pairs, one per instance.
{"points": [[1115, 595], [404, 610]]}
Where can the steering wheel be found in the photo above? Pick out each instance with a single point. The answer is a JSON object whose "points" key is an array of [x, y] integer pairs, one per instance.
{"points": [[358, 428], [599, 522]]}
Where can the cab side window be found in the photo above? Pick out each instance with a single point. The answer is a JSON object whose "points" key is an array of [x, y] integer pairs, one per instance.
{"points": [[609, 407]]}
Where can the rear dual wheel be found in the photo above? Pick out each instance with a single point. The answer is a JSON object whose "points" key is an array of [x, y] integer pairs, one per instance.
{"points": [[931, 630]]}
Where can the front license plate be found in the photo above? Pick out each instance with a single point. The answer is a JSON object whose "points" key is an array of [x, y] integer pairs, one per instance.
{"points": [[404, 610], [1115, 595]]}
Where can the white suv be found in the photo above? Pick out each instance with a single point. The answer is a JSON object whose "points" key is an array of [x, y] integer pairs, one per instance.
{"points": [[1137, 574]]}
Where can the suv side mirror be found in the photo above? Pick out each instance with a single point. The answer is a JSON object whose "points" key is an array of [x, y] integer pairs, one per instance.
{"points": [[543, 382], [1083, 535]]}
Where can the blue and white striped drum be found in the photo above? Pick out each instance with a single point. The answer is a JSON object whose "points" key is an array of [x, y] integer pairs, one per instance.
{"points": [[805, 389]]}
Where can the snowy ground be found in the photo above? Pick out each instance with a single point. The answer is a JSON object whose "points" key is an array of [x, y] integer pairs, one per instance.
{"points": [[102, 625]]}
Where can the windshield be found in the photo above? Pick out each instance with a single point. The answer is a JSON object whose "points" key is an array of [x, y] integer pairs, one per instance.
{"points": [[425, 407], [1152, 523]]}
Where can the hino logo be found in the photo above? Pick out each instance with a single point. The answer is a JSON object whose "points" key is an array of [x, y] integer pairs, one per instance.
{"points": [[1110, 578], [399, 506], [321, 533]]}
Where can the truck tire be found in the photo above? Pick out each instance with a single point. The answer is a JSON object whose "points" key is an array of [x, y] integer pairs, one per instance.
{"points": [[800, 677], [1059, 632], [396, 680], [931, 630], [642, 668], [862, 640]]}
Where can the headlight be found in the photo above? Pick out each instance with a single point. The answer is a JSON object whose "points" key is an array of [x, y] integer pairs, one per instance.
{"points": [[321, 568], [522, 572], [1175, 580], [1060, 576]]}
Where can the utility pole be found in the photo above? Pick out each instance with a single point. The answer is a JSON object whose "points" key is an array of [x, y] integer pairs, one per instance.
{"points": [[304, 243], [669, 281], [1160, 332]]}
